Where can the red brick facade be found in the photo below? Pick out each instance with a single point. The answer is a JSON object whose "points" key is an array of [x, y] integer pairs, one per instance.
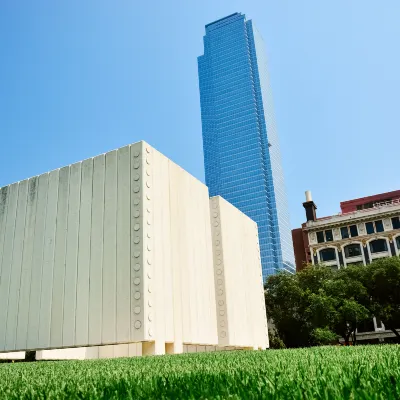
{"points": [[365, 202]]}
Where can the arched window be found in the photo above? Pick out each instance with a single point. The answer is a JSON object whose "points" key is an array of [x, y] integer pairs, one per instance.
{"points": [[378, 246], [352, 250], [327, 254], [398, 242]]}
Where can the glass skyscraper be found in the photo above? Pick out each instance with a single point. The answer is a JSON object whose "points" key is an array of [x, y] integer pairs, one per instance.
{"points": [[241, 150]]}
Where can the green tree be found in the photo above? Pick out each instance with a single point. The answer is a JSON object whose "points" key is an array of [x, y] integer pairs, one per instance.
{"points": [[324, 336], [287, 299], [285, 307], [316, 305], [349, 297], [275, 342], [382, 281]]}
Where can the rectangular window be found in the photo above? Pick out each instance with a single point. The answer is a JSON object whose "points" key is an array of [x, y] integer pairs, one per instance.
{"points": [[379, 226], [320, 237], [352, 250], [327, 254], [378, 246], [369, 226], [345, 232], [378, 323], [329, 236], [396, 222], [353, 231]]}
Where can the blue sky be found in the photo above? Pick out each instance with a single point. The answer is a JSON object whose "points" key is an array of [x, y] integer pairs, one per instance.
{"points": [[79, 78]]}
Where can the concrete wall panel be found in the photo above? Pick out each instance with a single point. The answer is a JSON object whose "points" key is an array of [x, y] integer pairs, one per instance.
{"points": [[114, 256], [32, 333], [84, 254], [57, 304], [16, 265], [138, 261], [9, 199], [27, 264], [96, 252], [71, 257], [123, 246], [110, 250], [239, 289], [50, 221]]}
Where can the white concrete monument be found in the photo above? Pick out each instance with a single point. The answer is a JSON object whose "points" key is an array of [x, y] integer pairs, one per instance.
{"points": [[119, 256]]}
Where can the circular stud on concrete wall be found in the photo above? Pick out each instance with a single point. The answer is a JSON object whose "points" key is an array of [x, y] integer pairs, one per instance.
{"points": [[148, 217], [136, 185], [219, 262], [138, 324]]}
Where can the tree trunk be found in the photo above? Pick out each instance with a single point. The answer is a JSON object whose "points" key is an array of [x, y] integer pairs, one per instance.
{"points": [[396, 333], [346, 339]]}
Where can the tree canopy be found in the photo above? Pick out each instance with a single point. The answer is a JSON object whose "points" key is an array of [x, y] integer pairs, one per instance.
{"points": [[318, 305]]}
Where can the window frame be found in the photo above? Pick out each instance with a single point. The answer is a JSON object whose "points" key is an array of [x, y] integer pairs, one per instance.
{"points": [[351, 235], [353, 245], [331, 231], [376, 240], [373, 224], [380, 223], [397, 219], [320, 257], [348, 230], [370, 223], [324, 236]]}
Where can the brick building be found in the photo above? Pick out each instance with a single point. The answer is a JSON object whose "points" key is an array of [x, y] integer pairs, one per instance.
{"points": [[366, 229]]}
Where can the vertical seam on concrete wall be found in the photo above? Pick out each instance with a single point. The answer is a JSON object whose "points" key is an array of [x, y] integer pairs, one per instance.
{"points": [[170, 260], [65, 254], [77, 251], [11, 261], [130, 244], [90, 250], [21, 264], [4, 223], [102, 250], [54, 252], [116, 245], [42, 258]]}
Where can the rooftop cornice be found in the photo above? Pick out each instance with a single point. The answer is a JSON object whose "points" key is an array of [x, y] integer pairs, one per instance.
{"points": [[352, 218]]}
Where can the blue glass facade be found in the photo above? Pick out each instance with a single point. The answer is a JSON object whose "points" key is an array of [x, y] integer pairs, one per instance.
{"points": [[241, 149]]}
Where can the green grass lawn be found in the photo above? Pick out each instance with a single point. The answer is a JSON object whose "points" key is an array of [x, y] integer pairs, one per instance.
{"points": [[362, 372]]}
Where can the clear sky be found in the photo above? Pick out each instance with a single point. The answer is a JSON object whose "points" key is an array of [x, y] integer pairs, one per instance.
{"points": [[79, 78]]}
